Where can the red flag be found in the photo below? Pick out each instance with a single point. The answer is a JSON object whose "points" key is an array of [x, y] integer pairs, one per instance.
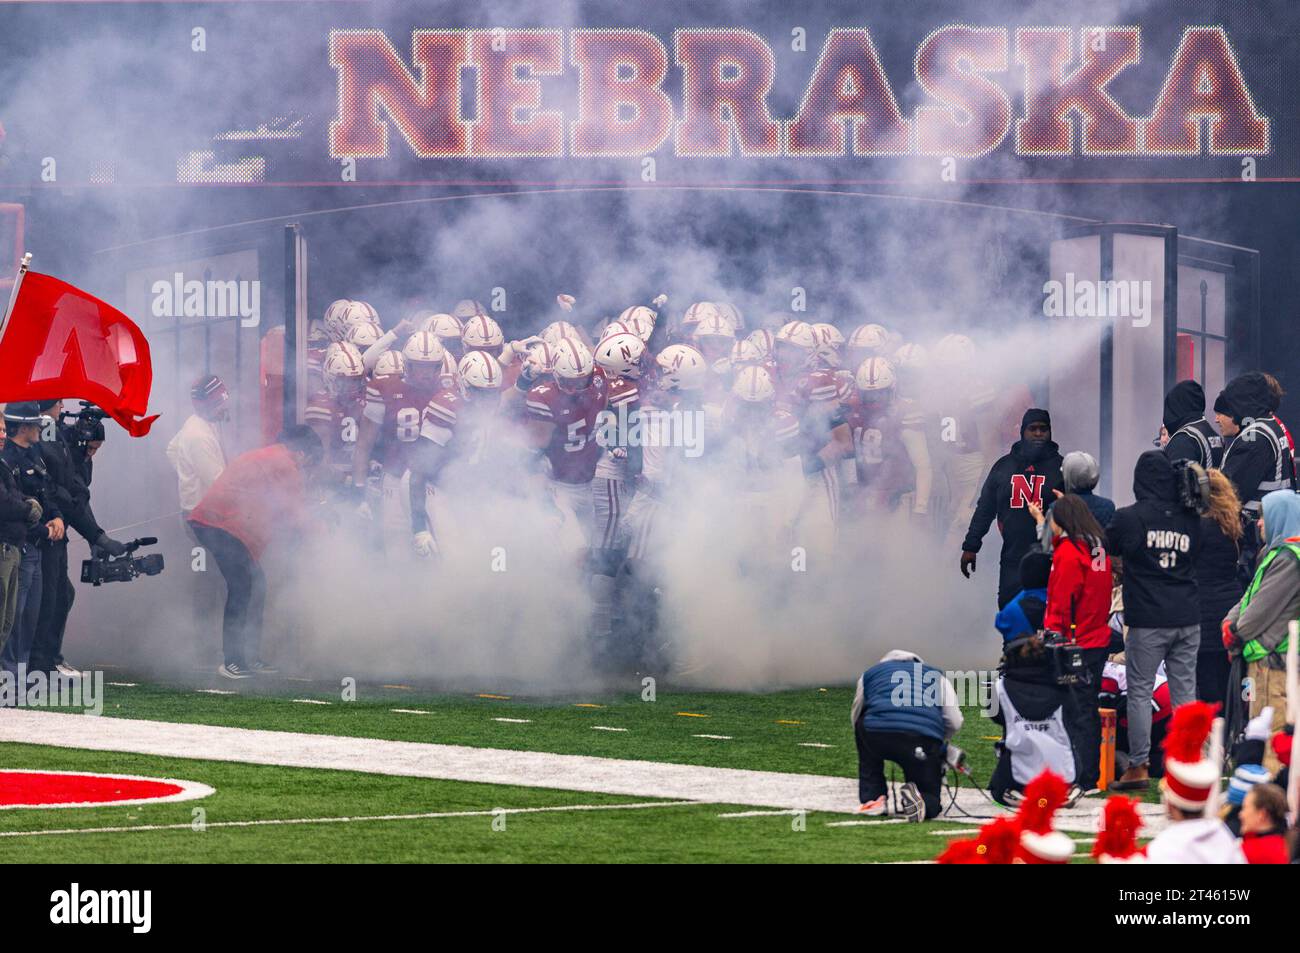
{"points": [[61, 342]]}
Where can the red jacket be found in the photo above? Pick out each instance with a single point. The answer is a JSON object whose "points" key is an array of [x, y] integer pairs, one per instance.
{"points": [[1078, 594], [258, 497], [1265, 849]]}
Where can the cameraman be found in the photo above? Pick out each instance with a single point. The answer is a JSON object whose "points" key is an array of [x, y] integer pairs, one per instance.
{"points": [[1031, 710], [23, 460], [1154, 545], [72, 497], [17, 513]]}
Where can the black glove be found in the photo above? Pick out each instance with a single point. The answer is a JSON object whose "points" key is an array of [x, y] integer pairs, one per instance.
{"points": [[110, 545]]}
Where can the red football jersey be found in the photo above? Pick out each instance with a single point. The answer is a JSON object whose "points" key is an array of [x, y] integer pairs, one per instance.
{"points": [[811, 398], [398, 407], [572, 450], [339, 422]]}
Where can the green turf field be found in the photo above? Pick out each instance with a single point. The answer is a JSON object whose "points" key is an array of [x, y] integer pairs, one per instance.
{"points": [[797, 731], [669, 834]]}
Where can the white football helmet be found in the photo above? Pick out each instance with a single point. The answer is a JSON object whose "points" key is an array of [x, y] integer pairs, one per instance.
{"points": [[911, 356], [869, 337], [336, 319], [746, 352], [614, 327], [423, 347], [358, 311], [798, 334], [467, 308], [573, 365], [829, 340], [875, 374], [762, 340], [640, 320], [390, 364], [753, 384], [556, 330], [363, 334], [954, 350], [444, 326], [731, 314], [482, 334], [714, 325], [479, 371], [681, 367], [619, 355], [697, 313], [540, 359], [344, 371]]}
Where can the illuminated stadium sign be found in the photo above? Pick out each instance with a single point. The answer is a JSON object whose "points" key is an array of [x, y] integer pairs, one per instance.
{"points": [[479, 94]]}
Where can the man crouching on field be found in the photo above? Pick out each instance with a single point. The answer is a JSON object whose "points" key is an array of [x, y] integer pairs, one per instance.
{"points": [[904, 711]]}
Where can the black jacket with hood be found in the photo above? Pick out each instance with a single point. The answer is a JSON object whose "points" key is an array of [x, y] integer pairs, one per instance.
{"points": [[1191, 436], [1159, 541], [1258, 460], [1027, 473]]}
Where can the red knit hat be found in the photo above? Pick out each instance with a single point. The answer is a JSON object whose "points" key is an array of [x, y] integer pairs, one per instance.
{"points": [[1117, 840], [1282, 747], [1039, 842], [1190, 777]]}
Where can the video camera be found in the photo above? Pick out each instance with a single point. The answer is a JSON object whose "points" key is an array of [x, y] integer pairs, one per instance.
{"points": [[1065, 657], [87, 423], [1193, 486], [101, 567]]}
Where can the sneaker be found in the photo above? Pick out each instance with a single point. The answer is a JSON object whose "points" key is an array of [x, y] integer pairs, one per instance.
{"points": [[263, 668], [234, 670], [874, 808], [910, 804], [1013, 798], [1073, 795], [67, 671]]}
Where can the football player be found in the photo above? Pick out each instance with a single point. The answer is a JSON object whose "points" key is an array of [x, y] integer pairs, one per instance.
{"points": [[390, 427], [810, 392], [561, 418], [455, 426], [333, 412], [891, 458]]}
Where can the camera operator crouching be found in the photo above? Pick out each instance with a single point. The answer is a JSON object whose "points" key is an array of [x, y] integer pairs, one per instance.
{"points": [[904, 711], [71, 496]]}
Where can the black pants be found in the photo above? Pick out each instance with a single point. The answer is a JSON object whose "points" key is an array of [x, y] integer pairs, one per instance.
{"points": [[1083, 720], [1008, 581], [241, 628], [900, 747], [57, 594], [1212, 669]]}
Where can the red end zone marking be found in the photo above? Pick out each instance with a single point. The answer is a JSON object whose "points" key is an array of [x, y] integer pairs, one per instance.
{"points": [[23, 788]]}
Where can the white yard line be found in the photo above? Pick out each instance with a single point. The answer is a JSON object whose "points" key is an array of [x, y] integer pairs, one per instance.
{"points": [[786, 813], [274, 822], [870, 823], [410, 711], [651, 779], [515, 721], [606, 728]]}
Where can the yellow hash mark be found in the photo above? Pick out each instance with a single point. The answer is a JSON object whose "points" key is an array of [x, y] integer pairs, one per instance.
{"points": [[405, 688], [586, 705], [499, 697], [990, 737], [691, 714], [781, 721]]}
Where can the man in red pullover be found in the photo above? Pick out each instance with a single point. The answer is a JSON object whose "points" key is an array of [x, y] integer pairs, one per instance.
{"points": [[258, 500], [1078, 607]]}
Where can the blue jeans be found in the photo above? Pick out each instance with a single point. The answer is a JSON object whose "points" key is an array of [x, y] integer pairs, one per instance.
{"points": [[19, 646]]}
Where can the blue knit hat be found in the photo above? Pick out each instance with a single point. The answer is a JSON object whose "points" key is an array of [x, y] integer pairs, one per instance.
{"points": [[1243, 779]]}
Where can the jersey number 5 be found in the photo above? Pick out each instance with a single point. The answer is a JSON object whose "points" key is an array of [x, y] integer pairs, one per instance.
{"points": [[577, 439]]}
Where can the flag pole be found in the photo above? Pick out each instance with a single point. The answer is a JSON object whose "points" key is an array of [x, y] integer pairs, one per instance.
{"points": [[13, 294]]}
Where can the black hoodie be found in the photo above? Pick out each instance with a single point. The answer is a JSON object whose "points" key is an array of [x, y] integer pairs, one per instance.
{"points": [[1198, 441], [1033, 473], [1259, 459], [1159, 540]]}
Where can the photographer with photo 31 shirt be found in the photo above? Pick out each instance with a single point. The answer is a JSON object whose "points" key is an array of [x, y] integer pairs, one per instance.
{"points": [[1154, 545]]}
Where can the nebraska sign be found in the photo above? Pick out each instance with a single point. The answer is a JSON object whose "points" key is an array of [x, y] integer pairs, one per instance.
{"points": [[984, 88]]}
